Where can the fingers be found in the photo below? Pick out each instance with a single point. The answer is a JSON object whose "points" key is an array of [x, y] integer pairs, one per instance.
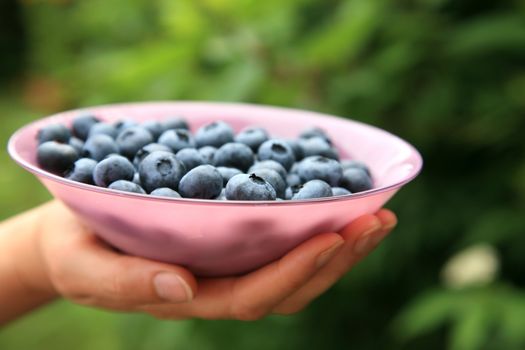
{"points": [[361, 236], [84, 269], [253, 296]]}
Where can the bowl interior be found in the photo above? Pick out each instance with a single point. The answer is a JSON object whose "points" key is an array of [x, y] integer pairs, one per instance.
{"points": [[392, 161]]}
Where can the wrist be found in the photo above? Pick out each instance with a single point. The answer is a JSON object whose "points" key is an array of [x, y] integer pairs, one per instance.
{"points": [[22, 237]]}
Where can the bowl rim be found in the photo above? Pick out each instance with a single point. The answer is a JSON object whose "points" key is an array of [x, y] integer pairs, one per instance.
{"points": [[45, 174]]}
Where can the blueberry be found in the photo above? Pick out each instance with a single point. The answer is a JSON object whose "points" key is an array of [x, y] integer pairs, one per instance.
{"points": [[56, 157], [207, 153], [175, 123], [112, 169], [82, 171], [214, 134], [316, 146], [252, 137], [291, 191], [356, 180], [127, 186], [204, 182], [190, 157], [222, 196], [269, 164], [296, 147], [54, 132], [228, 173], [249, 187], [274, 179], [339, 191], [154, 127], [293, 169], [313, 189], [132, 139], [277, 150], [165, 192], [293, 180], [82, 124], [160, 169], [136, 179], [104, 129], [315, 132], [146, 150], [234, 155], [322, 168], [99, 146], [347, 164], [177, 139], [124, 124], [77, 144]]}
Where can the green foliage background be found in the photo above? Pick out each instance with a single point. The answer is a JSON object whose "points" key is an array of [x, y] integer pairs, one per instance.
{"points": [[448, 76]]}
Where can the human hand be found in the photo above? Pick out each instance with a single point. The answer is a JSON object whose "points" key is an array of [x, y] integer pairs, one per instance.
{"points": [[80, 267]]}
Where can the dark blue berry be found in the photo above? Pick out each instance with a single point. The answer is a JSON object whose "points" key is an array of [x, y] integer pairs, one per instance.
{"points": [[136, 179], [214, 134], [203, 182], [340, 191], [54, 132], [177, 139], [313, 189], [112, 169], [160, 169], [82, 124], [154, 127], [347, 164], [146, 150], [124, 124], [99, 146], [269, 164], [56, 157], [246, 187], [356, 180], [315, 132], [228, 173], [296, 147], [322, 168], [293, 180], [274, 179], [207, 153], [165, 192], [104, 129], [252, 137], [127, 186], [171, 123], [222, 196], [190, 157], [77, 144], [291, 191], [234, 155], [277, 150], [82, 171], [316, 146], [131, 140]]}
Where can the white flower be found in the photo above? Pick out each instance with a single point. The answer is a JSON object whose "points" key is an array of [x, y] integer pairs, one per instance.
{"points": [[475, 266]]}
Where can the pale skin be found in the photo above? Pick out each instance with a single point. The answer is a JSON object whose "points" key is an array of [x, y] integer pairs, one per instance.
{"points": [[46, 254]]}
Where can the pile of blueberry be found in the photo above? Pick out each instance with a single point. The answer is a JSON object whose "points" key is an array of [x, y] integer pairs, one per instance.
{"points": [[166, 159]]}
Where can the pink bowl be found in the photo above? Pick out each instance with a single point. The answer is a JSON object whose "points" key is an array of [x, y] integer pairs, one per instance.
{"points": [[217, 238]]}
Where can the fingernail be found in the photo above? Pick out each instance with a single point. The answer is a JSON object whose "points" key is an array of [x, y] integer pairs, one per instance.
{"points": [[365, 242], [171, 287], [328, 254]]}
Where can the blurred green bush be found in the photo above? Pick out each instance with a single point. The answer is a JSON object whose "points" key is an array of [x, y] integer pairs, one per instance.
{"points": [[446, 75]]}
